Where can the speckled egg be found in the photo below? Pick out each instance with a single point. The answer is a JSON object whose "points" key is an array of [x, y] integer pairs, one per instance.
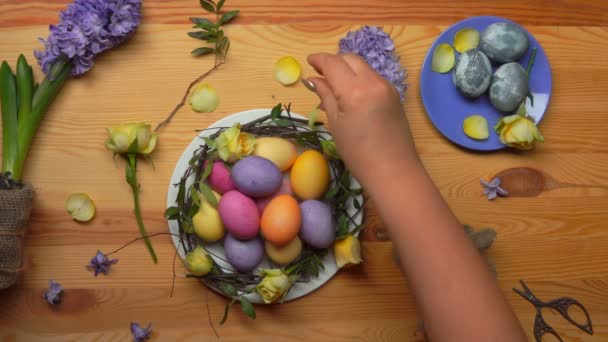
{"points": [[317, 228], [310, 175], [509, 87], [243, 255], [256, 176], [281, 220], [504, 42], [239, 215], [281, 152], [472, 73], [283, 255]]}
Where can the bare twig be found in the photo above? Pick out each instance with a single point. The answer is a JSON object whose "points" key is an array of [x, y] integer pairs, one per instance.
{"points": [[209, 314], [185, 97]]}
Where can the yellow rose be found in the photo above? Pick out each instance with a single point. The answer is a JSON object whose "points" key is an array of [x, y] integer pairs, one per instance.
{"points": [[199, 263], [123, 136], [347, 251], [274, 284], [518, 132], [233, 145]]}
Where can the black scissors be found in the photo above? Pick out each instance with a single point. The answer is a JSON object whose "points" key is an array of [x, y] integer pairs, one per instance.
{"points": [[560, 305]]}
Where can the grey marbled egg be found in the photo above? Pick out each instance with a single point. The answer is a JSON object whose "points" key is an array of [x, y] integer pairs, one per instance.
{"points": [[472, 73], [503, 42], [509, 87]]}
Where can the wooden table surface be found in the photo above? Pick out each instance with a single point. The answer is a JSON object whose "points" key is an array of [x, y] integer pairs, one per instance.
{"points": [[556, 240]]}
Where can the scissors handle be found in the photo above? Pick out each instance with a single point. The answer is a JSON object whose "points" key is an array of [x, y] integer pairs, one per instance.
{"points": [[563, 304], [541, 328]]}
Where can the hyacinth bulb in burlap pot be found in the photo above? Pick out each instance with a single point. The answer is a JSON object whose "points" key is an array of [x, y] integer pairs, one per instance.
{"points": [[85, 29], [15, 206]]}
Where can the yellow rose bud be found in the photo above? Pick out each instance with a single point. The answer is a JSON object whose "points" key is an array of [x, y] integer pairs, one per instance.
{"points": [[274, 284], [198, 262], [123, 136], [233, 145], [518, 132], [347, 251]]}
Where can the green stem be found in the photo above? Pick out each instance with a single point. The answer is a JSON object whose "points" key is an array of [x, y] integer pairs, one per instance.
{"points": [[132, 180]]}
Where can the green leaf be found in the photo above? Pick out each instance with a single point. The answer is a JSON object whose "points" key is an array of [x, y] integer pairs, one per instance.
{"points": [[276, 111], [181, 193], [332, 192], [224, 42], [220, 4], [202, 35], [226, 311], [210, 142], [342, 226], [208, 193], [312, 117], [228, 16], [283, 122], [209, 6], [202, 21], [8, 101], [207, 170], [329, 148], [247, 307], [172, 213], [194, 196], [25, 89], [202, 51], [356, 204], [228, 289], [134, 146]]}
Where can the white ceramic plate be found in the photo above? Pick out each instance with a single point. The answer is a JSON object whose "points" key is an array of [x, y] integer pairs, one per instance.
{"points": [[299, 289]]}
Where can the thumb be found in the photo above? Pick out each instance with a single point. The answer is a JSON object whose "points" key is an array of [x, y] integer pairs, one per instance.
{"points": [[328, 100]]}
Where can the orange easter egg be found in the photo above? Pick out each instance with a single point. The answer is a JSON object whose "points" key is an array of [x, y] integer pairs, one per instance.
{"points": [[281, 220]]}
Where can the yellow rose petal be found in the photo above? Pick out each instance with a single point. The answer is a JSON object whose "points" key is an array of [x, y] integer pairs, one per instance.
{"points": [[204, 98], [466, 39], [443, 58], [287, 70], [80, 206], [476, 127]]}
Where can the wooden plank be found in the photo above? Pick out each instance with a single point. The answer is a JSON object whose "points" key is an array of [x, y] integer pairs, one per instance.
{"points": [[560, 12]]}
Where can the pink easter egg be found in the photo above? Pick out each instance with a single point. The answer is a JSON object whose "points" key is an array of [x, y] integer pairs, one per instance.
{"points": [[219, 179]]}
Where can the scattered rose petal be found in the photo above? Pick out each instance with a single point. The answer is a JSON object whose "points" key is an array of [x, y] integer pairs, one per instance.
{"points": [[139, 333], [443, 58], [53, 294], [100, 263], [466, 39], [476, 127], [287, 70], [204, 98], [80, 206]]}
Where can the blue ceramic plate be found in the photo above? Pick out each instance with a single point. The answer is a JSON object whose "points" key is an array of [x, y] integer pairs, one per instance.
{"points": [[447, 108]]}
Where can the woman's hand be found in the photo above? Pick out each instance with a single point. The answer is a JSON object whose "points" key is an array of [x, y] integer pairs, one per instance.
{"points": [[365, 114]]}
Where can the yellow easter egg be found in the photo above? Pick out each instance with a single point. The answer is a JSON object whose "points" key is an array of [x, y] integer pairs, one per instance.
{"points": [[310, 175], [279, 151], [207, 221], [283, 255]]}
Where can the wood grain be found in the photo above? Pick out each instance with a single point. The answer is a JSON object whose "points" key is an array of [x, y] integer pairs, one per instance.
{"points": [[556, 240]]}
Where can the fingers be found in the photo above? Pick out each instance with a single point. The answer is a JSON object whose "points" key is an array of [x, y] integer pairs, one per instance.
{"points": [[328, 100], [356, 63], [337, 72]]}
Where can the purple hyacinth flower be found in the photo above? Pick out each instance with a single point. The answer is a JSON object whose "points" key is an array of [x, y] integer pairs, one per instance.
{"points": [[100, 263], [492, 188], [53, 294], [378, 49], [87, 28], [139, 333]]}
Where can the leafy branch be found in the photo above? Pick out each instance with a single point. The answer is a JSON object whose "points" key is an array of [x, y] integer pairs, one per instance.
{"points": [[213, 34]]}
